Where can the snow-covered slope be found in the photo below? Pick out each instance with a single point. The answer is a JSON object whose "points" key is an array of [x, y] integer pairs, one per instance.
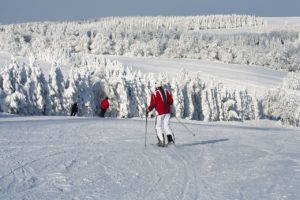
{"points": [[93, 158], [232, 75]]}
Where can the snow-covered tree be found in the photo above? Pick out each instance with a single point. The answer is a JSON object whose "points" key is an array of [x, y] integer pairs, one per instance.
{"points": [[13, 80], [292, 81], [37, 90], [79, 89], [56, 90], [283, 102]]}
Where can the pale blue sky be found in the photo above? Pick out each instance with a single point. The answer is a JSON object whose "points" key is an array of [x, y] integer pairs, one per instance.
{"points": [[15, 11]]}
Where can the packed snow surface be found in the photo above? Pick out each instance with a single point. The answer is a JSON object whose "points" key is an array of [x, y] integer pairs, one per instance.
{"points": [[104, 158]]}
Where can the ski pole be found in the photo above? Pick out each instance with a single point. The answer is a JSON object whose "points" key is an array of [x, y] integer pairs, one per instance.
{"points": [[146, 130], [185, 126]]}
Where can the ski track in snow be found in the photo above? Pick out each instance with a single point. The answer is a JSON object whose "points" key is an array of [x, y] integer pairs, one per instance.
{"points": [[95, 158]]}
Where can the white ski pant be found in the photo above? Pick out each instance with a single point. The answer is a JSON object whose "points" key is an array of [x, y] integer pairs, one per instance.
{"points": [[163, 126]]}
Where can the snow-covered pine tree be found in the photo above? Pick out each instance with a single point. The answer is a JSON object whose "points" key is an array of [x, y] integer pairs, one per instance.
{"points": [[70, 92], [198, 86], [86, 94], [191, 106], [2, 99], [213, 98], [181, 94], [124, 94], [37, 90], [283, 102], [56, 90], [292, 81], [136, 93], [140, 92], [178, 99], [79, 89], [13, 80], [247, 106], [206, 105]]}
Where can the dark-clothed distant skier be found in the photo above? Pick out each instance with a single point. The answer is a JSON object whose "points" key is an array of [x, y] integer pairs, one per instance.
{"points": [[74, 109]]}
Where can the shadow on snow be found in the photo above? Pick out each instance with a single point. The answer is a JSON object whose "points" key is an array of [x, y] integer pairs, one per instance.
{"points": [[203, 142]]}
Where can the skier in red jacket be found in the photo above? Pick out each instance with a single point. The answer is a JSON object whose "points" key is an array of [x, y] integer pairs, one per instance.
{"points": [[104, 106], [162, 100]]}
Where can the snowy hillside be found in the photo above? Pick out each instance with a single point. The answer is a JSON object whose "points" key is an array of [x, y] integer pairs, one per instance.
{"points": [[46, 76], [248, 40], [92, 158]]}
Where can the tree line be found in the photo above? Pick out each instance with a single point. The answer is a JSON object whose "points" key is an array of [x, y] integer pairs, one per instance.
{"points": [[25, 90]]}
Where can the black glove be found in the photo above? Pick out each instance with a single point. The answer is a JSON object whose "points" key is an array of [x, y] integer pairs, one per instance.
{"points": [[147, 112]]}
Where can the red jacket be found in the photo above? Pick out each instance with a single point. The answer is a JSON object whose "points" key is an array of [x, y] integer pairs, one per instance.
{"points": [[157, 101], [104, 104]]}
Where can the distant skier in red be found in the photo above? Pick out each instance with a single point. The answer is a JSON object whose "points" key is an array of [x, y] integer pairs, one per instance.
{"points": [[162, 100], [104, 106]]}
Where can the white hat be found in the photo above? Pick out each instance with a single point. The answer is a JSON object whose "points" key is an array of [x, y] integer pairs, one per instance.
{"points": [[158, 84]]}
